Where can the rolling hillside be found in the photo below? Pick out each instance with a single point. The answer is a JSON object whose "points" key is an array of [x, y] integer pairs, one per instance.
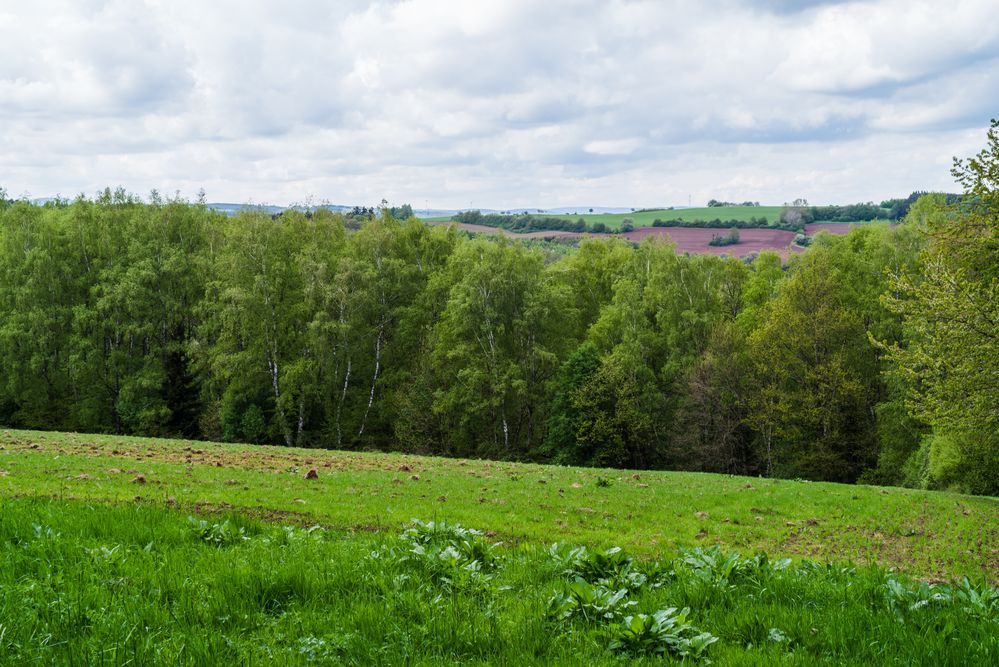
{"points": [[129, 550]]}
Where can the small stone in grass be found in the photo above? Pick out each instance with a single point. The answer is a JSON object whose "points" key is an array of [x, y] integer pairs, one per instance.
{"points": [[312, 474], [701, 515], [577, 485]]}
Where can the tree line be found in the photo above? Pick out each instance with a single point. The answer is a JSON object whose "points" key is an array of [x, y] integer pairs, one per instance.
{"points": [[868, 357], [526, 222]]}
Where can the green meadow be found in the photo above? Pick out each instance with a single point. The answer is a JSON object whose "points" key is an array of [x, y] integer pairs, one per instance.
{"points": [[119, 550]]}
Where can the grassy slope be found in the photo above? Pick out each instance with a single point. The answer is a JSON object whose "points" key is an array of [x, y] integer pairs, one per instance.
{"points": [[98, 567], [138, 584], [935, 535]]}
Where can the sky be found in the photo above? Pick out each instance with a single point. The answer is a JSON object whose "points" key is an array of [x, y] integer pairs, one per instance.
{"points": [[494, 104]]}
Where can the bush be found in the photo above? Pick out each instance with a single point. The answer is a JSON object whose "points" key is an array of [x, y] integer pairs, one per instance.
{"points": [[665, 632], [731, 238], [960, 462]]}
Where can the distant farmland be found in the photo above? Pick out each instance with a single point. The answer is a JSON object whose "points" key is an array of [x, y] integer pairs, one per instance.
{"points": [[645, 218], [694, 240]]}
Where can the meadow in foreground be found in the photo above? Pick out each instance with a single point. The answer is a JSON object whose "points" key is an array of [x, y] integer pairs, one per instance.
{"points": [[91, 583], [932, 535]]}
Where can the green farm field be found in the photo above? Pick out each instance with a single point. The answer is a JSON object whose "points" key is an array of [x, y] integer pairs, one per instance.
{"points": [[153, 551]]}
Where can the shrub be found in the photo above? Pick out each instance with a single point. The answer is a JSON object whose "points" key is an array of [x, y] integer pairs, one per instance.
{"points": [[218, 534], [664, 632], [731, 238], [588, 601]]}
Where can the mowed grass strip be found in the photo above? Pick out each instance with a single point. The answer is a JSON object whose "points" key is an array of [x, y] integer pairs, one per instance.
{"points": [[932, 535]]}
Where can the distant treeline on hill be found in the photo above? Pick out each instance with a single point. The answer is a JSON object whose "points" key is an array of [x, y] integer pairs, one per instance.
{"points": [[526, 222], [751, 223], [793, 217], [889, 209], [714, 203]]}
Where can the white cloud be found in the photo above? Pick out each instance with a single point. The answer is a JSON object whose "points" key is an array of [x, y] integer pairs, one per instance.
{"points": [[613, 146], [504, 103]]}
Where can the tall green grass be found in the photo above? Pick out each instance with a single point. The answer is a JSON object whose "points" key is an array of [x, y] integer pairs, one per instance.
{"points": [[139, 584]]}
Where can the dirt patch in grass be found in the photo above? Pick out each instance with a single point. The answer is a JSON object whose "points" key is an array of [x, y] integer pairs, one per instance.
{"points": [[213, 455]]}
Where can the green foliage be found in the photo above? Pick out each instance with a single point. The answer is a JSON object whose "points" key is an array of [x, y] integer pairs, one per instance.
{"points": [[950, 307], [611, 568], [666, 632], [218, 534], [496, 347], [716, 568], [590, 603], [566, 417], [732, 238], [446, 556]]}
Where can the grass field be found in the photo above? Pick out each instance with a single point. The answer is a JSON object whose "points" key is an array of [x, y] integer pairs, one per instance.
{"points": [[646, 218], [153, 551]]}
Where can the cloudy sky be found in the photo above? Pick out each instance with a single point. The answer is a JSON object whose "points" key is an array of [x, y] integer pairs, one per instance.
{"points": [[457, 103]]}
